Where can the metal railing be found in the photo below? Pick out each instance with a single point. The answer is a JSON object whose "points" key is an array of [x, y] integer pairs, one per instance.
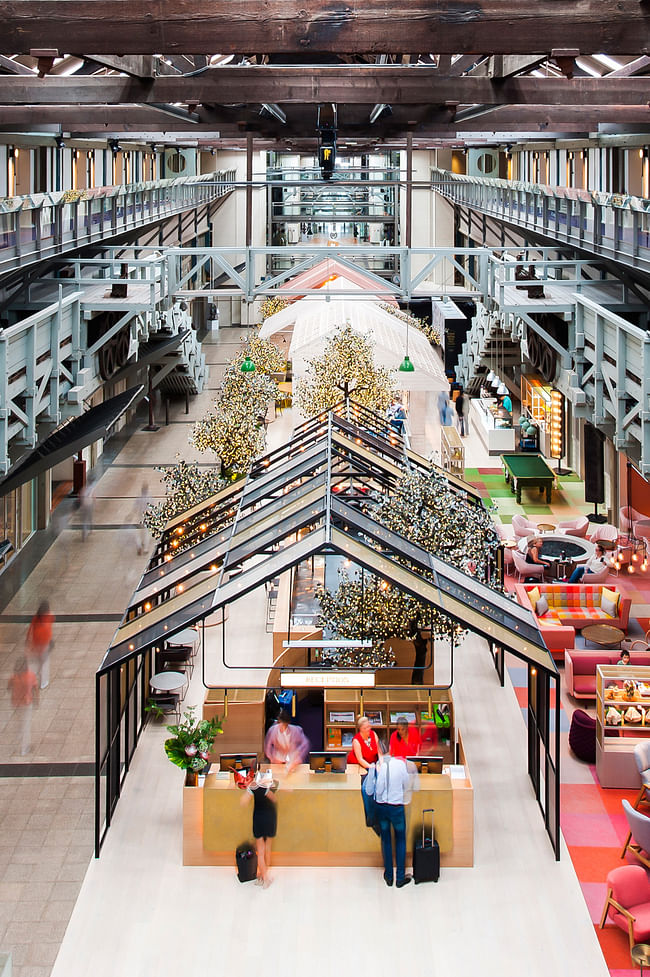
{"points": [[615, 226], [43, 225]]}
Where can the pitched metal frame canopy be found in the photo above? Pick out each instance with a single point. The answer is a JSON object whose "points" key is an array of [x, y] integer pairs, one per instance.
{"points": [[303, 499]]}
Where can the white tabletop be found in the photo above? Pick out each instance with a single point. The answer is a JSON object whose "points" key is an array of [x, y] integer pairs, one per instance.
{"points": [[166, 681], [187, 637]]}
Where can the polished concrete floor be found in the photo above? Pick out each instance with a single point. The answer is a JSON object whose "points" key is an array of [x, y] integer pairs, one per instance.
{"points": [[137, 910]]}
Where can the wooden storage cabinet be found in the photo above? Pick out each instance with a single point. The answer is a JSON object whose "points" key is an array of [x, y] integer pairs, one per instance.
{"points": [[615, 740], [452, 451], [387, 703]]}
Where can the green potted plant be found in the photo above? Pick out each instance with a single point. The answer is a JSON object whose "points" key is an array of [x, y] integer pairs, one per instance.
{"points": [[190, 744]]}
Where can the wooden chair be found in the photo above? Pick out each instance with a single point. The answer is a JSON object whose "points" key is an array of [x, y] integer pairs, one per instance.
{"points": [[628, 896], [638, 839]]}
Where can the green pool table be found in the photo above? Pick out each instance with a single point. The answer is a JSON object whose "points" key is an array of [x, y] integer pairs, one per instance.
{"points": [[528, 471]]}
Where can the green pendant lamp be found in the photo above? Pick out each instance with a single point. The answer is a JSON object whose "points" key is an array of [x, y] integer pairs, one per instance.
{"points": [[406, 366], [247, 366]]}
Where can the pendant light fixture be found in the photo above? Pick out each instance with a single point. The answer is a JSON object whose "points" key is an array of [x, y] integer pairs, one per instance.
{"points": [[406, 366], [247, 366], [502, 390], [490, 377]]}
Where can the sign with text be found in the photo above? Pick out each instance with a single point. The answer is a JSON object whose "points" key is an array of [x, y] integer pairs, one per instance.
{"points": [[327, 680]]}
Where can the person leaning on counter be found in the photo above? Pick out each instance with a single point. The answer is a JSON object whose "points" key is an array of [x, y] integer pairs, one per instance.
{"points": [[365, 751], [285, 743]]}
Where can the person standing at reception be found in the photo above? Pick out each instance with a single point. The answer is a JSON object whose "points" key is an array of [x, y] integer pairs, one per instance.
{"points": [[285, 743], [392, 783], [365, 752], [405, 741]]}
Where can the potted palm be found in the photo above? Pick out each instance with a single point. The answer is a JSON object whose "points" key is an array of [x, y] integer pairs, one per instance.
{"points": [[190, 744]]}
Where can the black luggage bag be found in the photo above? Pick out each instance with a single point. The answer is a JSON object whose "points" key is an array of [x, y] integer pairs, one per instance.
{"points": [[426, 855], [246, 859]]}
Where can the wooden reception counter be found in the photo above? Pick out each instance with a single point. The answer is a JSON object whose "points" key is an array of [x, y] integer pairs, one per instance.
{"points": [[321, 820]]}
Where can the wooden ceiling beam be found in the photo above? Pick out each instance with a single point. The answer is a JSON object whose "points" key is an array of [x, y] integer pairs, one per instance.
{"points": [[361, 85], [353, 120], [280, 26]]}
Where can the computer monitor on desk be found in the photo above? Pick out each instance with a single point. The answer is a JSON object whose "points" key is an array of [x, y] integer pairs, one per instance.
{"points": [[236, 761], [327, 762], [426, 764]]}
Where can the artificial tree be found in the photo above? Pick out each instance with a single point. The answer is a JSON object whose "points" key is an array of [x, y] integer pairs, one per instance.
{"points": [[424, 510], [185, 484], [346, 367]]}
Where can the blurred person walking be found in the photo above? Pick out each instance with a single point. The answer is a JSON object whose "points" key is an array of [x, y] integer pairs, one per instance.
{"points": [[391, 782], [39, 643], [23, 686], [142, 534], [86, 507]]}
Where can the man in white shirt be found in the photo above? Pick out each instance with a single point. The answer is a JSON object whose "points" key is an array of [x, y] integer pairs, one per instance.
{"points": [[392, 783]]}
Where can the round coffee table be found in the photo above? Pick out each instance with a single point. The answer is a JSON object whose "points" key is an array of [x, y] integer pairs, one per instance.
{"points": [[603, 635], [640, 954], [546, 527]]}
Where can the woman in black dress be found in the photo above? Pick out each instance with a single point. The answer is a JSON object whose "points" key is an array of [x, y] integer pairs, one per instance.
{"points": [[265, 820]]}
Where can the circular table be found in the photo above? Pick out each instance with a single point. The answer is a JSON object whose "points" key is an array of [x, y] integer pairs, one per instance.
{"points": [[603, 634], [546, 527], [575, 549], [167, 681], [187, 637], [640, 954]]}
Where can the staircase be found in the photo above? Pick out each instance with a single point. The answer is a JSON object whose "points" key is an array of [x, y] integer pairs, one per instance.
{"points": [[492, 343]]}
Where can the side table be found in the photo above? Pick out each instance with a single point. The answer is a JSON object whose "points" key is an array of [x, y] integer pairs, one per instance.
{"points": [[641, 955]]}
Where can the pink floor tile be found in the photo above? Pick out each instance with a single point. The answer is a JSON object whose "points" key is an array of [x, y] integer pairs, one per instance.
{"points": [[595, 894], [588, 829]]}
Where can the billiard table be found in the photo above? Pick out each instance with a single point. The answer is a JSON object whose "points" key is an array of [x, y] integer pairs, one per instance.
{"points": [[528, 471]]}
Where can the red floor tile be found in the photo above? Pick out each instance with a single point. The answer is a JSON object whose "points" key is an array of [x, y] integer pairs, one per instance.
{"points": [[592, 864], [615, 946]]}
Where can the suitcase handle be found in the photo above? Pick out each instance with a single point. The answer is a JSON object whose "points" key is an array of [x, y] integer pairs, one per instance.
{"points": [[428, 810]]}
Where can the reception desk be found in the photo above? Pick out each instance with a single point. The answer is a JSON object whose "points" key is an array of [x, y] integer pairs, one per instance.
{"points": [[497, 435], [321, 819]]}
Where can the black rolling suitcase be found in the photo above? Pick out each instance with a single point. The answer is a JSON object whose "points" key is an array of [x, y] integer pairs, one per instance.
{"points": [[246, 858], [426, 855]]}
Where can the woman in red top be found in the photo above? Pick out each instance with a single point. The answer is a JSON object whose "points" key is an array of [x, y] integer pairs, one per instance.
{"points": [[405, 741], [365, 750], [39, 643]]}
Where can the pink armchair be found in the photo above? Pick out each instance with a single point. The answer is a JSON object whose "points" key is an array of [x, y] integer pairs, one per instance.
{"points": [[527, 569], [522, 527], [604, 531], [628, 896], [628, 516], [575, 527]]}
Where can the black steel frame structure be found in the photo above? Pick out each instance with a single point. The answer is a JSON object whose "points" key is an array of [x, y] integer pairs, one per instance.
{"points": [[312, 496]]}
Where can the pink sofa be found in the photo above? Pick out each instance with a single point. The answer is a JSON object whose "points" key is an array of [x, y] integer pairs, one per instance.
{"points": [[580, 668], [578, 605]]}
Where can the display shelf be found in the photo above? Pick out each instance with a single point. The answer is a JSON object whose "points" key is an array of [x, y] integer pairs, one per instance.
{"points": [[452, 451], [617, 737], [391, 703]]}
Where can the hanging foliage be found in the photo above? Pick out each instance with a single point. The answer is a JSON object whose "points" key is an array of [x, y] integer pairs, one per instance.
{"points": [[345, 367], [422, 325]]}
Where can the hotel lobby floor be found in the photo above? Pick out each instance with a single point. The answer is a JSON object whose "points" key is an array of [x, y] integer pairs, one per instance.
{"points": [[138, 911]]}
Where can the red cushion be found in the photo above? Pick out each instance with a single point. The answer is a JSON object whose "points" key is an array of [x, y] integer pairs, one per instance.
{"points": [[584, 683], [641, 925]]}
